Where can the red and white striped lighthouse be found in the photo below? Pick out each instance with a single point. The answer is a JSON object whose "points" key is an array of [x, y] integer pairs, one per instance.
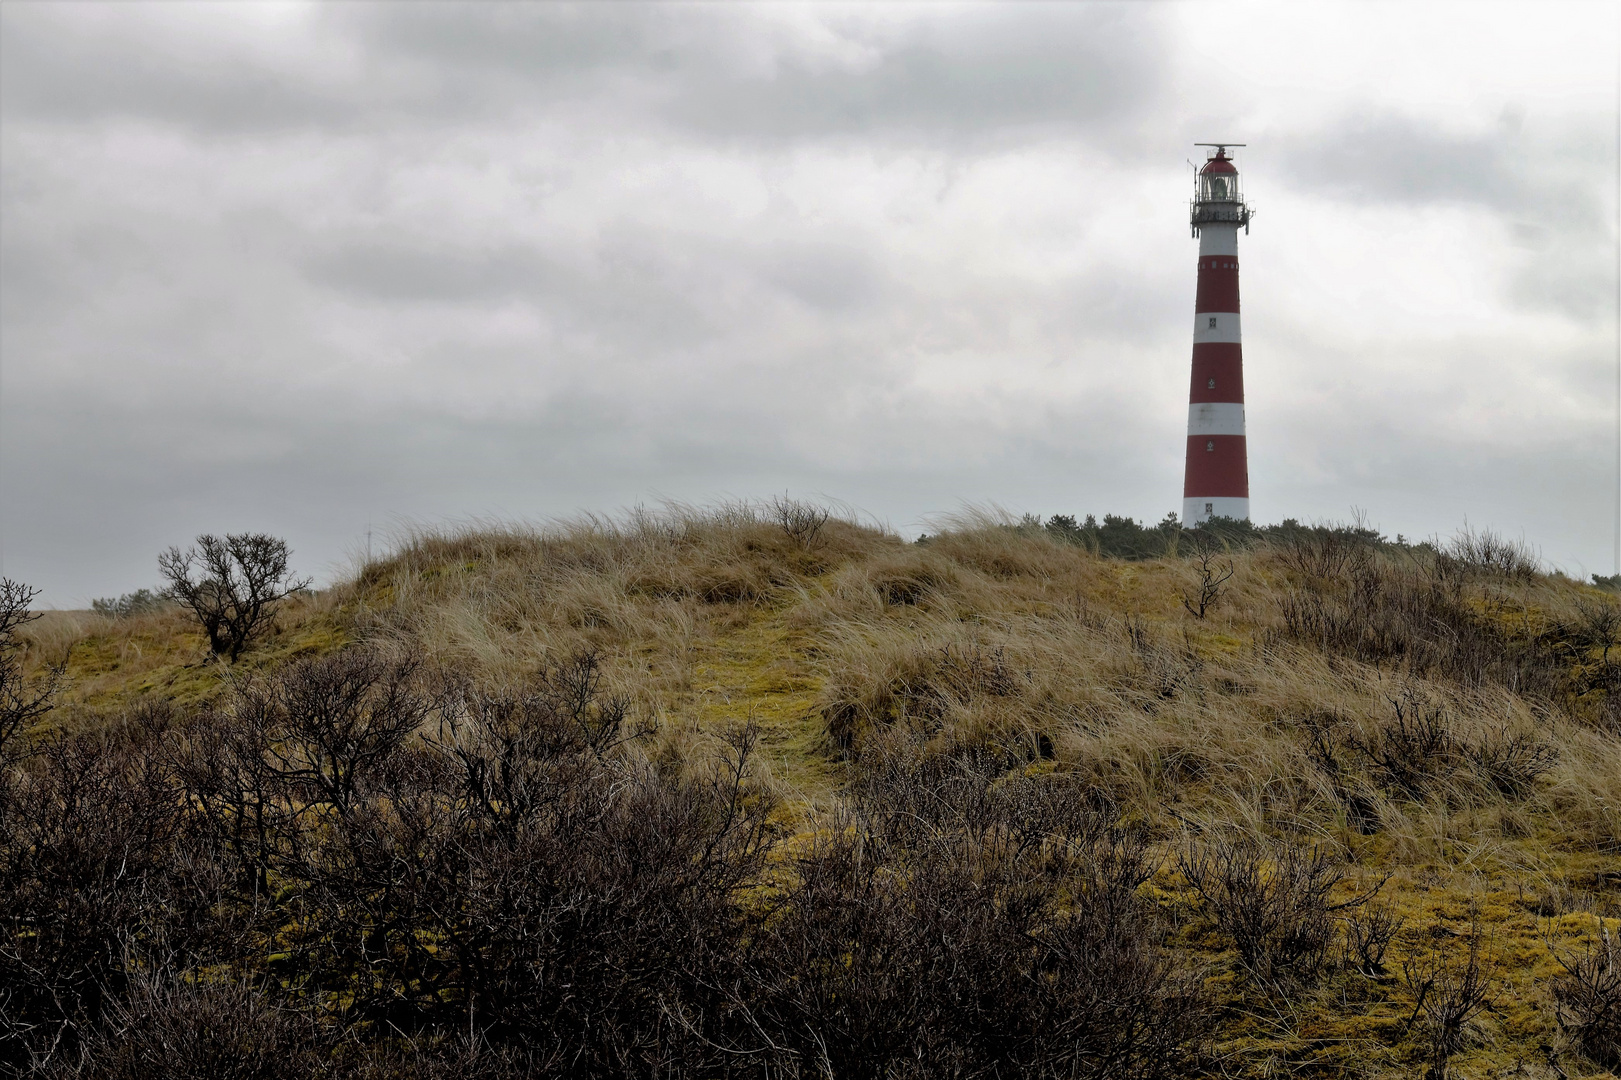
{"points": [[1217, 481]]}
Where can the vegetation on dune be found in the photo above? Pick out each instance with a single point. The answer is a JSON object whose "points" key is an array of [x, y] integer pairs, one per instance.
{"points": [[758, 792]]}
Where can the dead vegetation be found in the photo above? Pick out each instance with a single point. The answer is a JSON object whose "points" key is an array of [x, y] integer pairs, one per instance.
{"points": [[1588, 997], [762, 791]]}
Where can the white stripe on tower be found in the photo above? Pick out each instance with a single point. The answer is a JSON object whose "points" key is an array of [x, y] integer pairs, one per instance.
{"points": [[1218, 326], [1216, 418]]}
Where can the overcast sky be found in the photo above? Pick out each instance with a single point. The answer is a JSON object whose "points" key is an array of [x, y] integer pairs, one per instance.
{"points": [[300, 268]]}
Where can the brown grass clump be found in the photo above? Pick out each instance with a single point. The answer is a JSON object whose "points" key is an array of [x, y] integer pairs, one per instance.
{"points": [[978, 757]]}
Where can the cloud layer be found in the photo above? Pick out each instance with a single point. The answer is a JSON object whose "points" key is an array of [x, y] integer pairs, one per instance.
{"points": [[303, 268]]}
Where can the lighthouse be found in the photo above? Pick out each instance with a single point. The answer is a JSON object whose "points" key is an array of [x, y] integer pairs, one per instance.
{"points": [[1216, 482]]}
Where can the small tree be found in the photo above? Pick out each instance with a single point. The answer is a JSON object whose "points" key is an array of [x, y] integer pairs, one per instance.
{"points": [[1211, 578], [21, 702], [233, 585]]}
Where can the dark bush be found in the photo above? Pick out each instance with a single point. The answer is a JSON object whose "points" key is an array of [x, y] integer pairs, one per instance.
{"points": [[95, 853], [1212, 576], [185, 1025], [21, 701], [1368, 933], [956, 926], [351, 870], [1323, 749], [233, 585], [1439, 615], [1322, 552], [1449, 991], [1511, 764], [1588, 996], [1272, 900], [1484, 553], [1415, 750], [801, 522], [129, 605]]}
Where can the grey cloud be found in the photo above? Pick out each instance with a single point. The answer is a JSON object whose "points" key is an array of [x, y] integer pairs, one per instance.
{"points": [[1574, 280], [722, 72], [630, 288], [987, 70], [1539, 183], [830, 277], [1387, 158], [1395, 159], [539, 42], [62, 64], [965, 69], [392, 271]]}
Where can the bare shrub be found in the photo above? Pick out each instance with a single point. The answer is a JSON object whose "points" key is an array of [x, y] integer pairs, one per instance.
{"points": [[1483, 552], [1415, 750], [1212, 577], [1585, 643], [1324, 552], [517, 751], [22, 701], [334, 721], [233, 585], [1449, 992], [1272, 901], [1598, 626], [91, 841], [433, 1055], [519, 877], [1368, 933], [1323, 751], [801, 522], [953, 927], [1588, 997], [1511, 764], [185, 1025], [1427, 625]]}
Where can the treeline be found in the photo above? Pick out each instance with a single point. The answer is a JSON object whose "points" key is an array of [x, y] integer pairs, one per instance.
{"points": [[1123, 538], [1120, 537]]}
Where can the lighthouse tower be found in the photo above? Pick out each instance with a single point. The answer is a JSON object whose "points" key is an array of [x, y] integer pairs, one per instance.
{"points": [[1217, 481]]}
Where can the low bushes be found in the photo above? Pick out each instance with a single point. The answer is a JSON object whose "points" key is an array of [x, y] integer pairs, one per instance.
{"points": [[1272, 901], [353, 869], [1588, 993]]}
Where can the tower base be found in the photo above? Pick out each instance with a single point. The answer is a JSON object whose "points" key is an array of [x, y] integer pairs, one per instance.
{"points": [[1196, 511]]}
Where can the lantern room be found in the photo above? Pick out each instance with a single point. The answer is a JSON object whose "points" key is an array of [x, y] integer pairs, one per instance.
{"points": [[1218, 180], [1216, 194]]}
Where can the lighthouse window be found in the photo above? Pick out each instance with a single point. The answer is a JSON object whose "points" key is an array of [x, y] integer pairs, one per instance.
{"points": [[1212, 384], [1211, 445], [1218, 187], [1209, 508], [1212, 322]]}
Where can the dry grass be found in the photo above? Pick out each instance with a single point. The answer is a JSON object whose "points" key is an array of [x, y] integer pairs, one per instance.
{"points": [[991, 639], [109, 663]]}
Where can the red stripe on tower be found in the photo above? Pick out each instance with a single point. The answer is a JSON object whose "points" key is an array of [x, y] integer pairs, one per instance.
{"points": [[1216, 480]]}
